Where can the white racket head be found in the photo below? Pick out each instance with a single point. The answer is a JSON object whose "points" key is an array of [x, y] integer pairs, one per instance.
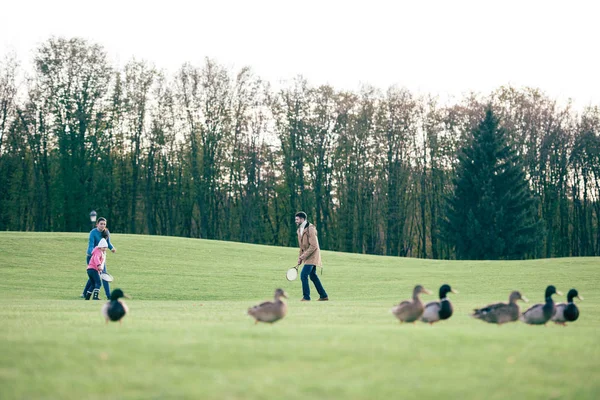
{"points": [[106, 277], [292, 274]]}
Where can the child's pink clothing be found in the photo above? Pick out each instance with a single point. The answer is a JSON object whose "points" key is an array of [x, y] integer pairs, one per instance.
{"points": [[97, 259]]}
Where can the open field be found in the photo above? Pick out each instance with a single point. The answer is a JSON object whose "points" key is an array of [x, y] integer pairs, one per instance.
{"points": [[188, 335]]}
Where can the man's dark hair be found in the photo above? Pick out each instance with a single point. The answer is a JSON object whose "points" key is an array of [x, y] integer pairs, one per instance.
{"points": [[301, 214]]}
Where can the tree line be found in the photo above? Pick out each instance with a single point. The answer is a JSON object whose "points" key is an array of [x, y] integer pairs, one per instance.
{"points": [[212, 153]]}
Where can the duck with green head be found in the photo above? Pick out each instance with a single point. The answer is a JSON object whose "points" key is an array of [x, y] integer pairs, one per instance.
{"points": [[567, 312], [410, 311], [116, 308], [439, 310], [501, 313], [540, 314], [270, 311]]}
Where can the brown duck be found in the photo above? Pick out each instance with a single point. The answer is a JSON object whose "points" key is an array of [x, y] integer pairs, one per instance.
{"points": [[270, 311], [410, 311], [501, 313]]}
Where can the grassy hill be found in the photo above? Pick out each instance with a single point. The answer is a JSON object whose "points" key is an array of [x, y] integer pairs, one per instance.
{"points": [[188, 335]]}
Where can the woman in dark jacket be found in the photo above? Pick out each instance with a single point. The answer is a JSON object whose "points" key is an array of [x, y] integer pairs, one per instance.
{"points": [[96, 234]]}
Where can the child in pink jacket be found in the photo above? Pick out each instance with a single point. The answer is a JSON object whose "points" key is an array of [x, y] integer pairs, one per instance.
{"points": [[95, 268]]}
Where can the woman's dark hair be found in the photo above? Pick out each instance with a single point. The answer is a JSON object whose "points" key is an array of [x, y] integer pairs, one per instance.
{"points": [[105, 234], [100, 220]]}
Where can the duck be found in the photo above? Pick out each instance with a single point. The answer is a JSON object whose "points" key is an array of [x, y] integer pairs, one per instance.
{"points": [[411, 311], [501, 313], [540, 314], [270, 311], [439, 310], [115, 309], [567, 312]]}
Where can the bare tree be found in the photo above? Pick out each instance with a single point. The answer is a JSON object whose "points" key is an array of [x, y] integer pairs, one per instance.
{"points": [[8, 93], [139, 78], [73, 75]]}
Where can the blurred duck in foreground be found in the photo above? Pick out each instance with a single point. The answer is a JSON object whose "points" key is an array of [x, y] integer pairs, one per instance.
{"points": [[567, 312], [270, 311], [116, 308], [500, 313], [410, 311], [540, 314], [439, 310]]}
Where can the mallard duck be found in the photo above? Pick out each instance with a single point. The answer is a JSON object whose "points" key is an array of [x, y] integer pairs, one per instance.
{"points": [[438, 310], [270, 311], [410, 311], [116, 308], [540, 314], [567, 312], [500, 313]]}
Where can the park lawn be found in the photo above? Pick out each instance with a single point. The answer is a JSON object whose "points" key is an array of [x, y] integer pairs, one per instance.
{"points": [[188, 334]]}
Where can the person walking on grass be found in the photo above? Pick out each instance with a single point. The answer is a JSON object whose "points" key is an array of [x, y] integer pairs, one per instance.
{"points": [[310, 256], [96, 234], [95, 267]]}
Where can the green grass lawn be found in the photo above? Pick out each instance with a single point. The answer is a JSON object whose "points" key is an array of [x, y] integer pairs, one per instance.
{"points": [[188, 335]]}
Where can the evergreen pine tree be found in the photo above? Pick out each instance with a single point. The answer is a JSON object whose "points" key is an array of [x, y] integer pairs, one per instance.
{"points": [[492, 214]]}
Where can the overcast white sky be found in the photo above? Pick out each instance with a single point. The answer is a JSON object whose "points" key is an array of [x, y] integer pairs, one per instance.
{"points": [[440, 47]]}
